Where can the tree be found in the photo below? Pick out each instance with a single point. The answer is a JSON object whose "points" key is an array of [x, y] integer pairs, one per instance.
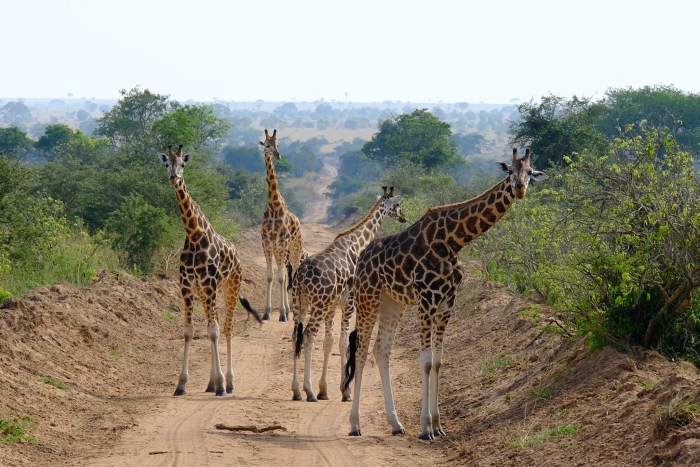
{"points": [[82, 115], [557, 127], [14, 142], [463, 106], [54, 136], [287, 110], [418, 137], [132, 118], [658, 105], [15, 112], [469, 144]]}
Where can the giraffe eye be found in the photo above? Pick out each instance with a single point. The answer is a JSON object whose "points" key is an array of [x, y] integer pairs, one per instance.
{"points": [[529, 173]]}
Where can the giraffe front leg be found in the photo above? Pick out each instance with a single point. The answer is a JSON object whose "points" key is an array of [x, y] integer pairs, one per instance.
{"points": [[284, 301], [327, 348], [434, 387], [187, 295], [231, 289], [426, 367], [208, 298], [268, 277], [440, 321], [390, 314]]}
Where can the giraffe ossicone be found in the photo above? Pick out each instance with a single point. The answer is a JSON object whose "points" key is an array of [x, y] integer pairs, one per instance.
{"points": [[208, 264], [322, 283], [281, 232], [420, 266]]}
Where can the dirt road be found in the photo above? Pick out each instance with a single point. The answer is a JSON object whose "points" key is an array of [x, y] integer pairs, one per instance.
{"points": [[181, 431]]}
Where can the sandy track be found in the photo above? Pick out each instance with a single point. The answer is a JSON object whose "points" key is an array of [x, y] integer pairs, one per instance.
{"points": [[181, 431], [316, 207]]}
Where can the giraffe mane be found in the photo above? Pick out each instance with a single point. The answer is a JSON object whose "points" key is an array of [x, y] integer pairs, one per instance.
{"points": [[361, 223], [463, 203]]}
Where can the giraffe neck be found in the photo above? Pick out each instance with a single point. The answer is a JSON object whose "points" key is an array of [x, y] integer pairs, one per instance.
{"points": [[192, 215], [275, 202], [459, 224], [364, 231]]}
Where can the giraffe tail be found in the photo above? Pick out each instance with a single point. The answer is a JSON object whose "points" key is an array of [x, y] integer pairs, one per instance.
{"points": [[350, 366], [289, 276], [299, 341], [246, 305]]}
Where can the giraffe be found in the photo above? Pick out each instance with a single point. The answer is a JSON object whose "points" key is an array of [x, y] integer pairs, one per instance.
{"points": [[420, 266], [322, 282], [281, 231], [208, 264]]}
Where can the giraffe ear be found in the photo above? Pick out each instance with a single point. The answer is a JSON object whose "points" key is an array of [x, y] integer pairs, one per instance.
{"points": [[261, 143], [394, 200], [503, 166], [538, 176], [379, 197], [163, 158], [186, 158]]}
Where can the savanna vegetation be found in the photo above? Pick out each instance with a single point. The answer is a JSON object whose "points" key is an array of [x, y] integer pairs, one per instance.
{"points": [[611, 240]]}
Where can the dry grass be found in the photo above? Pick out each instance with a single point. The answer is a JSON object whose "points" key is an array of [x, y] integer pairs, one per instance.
{"points": [[679, 412]]}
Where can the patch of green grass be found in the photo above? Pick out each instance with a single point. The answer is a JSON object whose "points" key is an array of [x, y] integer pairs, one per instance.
{"points": [[508, 397], [496, 364], [679, 412], [541, 394], [113, 353], [646, 385], [12, 431], [53, 382], [532, 439], [170, 317]]}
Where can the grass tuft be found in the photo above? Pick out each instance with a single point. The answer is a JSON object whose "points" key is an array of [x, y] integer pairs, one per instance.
{"points": [[542, 394], [679, 412], [170, 317], [53, 382], [13, 431], [529, 440]]}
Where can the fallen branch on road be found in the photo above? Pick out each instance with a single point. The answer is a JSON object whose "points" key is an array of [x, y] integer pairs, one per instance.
{"points": [[253, 428]]}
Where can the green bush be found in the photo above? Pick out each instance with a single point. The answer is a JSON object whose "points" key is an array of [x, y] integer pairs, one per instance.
{"points": [[139, 230], [614, 242]]}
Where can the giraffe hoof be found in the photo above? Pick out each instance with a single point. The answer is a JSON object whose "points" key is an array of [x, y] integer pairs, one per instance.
{"points": [[426, 437], [311, 398], [179, 392], [230, 391], [322, 396], [209, 388], [283, 319], [347, 398], [439, 432], [296, 397], [266, 317], [355, 433], [400, 431], [220, 393]]}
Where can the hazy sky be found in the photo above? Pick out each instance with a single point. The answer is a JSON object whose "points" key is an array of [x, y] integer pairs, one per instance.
{"points": [[374, 50]]}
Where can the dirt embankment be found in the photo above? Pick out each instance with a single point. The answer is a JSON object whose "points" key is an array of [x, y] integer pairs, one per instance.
{"points": [[94, 370]]}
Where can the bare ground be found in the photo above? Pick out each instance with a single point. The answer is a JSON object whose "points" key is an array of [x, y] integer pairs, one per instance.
{"points": [[94, 370]]}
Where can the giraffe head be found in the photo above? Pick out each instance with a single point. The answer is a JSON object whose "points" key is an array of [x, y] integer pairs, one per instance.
{"points": [[174, 162], [520, 173], [391, 204], [270, 145]]}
